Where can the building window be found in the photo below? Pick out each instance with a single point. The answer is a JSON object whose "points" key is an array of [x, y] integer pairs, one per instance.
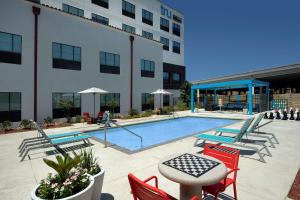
{"points": [[166, 76], [176, 47], [147, 101], [165, 42], [10, 106], [73, 10], [177, 19], [176, 77], [10, 48], [66, 56], [166, 100], [102, 3], [59, 100], [164, 24], [147, 68], [110, 102], [100, 19], [147, 17], [176, 29], [128, 9], [148, 35], [109, 63], [127, 28]]}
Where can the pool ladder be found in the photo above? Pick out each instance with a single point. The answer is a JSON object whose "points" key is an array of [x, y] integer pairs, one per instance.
{"points": [[126, 129]]}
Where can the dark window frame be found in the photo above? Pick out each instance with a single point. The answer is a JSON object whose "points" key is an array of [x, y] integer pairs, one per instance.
{"points": [[149, 73], [11, 115], [124, 26], [177, 19], [176, 29], [12, 57], [176, 48], [163, 26], [106, 107], [146, 20], [165, 46], [147, 35], [126, 12], [101, 3], [109, 69], [60, 63], [60, 112], [147, 106], [96, 18], [77, 9]]}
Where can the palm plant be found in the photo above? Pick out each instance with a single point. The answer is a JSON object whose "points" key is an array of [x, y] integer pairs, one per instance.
{"points": [[63, 166]]}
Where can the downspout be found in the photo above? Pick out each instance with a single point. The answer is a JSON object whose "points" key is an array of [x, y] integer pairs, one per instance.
{"points": [[36, 11], [131, 38]]}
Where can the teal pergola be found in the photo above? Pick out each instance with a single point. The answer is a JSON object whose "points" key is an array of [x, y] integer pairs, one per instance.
{"points": [[239, 84]]}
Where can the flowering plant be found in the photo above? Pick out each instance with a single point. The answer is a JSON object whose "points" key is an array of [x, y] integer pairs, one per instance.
{"points": [[89, 162], [69, 180]]}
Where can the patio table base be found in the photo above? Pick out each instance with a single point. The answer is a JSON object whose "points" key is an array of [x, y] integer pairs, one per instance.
{"points": [[188, 191]]}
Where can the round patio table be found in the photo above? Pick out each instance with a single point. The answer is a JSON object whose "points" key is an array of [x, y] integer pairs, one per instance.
{"points": [[192, 171]]}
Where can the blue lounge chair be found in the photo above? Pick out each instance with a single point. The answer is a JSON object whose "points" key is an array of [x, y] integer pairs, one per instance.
{"points": [[251, 131], [41, 136], [54, 141], [235, 141]]}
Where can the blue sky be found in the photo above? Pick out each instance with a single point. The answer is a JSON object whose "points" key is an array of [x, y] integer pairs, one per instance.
{"points": [[232, 36]]}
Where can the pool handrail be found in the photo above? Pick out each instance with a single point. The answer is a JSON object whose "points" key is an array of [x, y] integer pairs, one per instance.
{"points": [[119, 126]]}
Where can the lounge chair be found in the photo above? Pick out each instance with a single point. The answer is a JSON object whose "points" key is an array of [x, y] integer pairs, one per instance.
{"points": [[41, 136], [251, 130], [255, 126], [236, 141], [53, 141]]}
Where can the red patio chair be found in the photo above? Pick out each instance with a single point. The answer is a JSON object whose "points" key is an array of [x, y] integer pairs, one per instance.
{"points": [[87, 118], [230, 157], [143, 191]]}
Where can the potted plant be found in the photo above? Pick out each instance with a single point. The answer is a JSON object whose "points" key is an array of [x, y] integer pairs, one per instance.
{"points": [[90, 163], [71, 182]]}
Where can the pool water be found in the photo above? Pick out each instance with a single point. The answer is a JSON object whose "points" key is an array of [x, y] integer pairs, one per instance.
{"points": [[154, 133]]}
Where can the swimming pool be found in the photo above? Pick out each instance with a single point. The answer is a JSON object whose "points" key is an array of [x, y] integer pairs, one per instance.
{"points": [[158, 132]]}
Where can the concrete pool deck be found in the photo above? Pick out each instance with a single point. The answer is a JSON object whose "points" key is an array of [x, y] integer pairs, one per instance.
{"points": [[256, 180]]}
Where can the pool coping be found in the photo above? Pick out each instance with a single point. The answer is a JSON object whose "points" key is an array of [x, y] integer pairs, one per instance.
{"points": [[129, 152]]}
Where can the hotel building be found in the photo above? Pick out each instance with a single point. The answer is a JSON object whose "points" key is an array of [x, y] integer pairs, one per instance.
{"points": [[50, 50]]}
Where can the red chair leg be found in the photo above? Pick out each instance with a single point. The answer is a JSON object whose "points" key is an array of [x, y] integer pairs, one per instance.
{"points": [[216, 196], [234, 191]]}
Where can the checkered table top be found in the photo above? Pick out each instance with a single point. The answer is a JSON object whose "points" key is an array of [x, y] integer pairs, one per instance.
{"points": [[192, 165], [223, 149]]}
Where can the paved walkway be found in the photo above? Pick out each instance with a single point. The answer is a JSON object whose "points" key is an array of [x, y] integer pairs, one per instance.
{"points": [[256, 180]]}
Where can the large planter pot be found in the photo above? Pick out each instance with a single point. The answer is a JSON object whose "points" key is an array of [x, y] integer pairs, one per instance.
{"points": [[98, 183], [85, 194]]}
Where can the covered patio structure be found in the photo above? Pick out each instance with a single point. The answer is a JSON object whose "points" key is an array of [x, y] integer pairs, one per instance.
{"points": [[247, 84]]}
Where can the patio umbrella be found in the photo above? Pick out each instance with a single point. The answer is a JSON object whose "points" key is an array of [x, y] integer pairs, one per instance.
{"points": [[161, 92], [93, 91]]}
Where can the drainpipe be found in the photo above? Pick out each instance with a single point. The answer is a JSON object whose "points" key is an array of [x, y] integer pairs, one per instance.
{"points": [[36, 11], [131, 38]]}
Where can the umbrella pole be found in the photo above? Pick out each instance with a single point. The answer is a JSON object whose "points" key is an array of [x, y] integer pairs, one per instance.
{"points": [[94, 106]]}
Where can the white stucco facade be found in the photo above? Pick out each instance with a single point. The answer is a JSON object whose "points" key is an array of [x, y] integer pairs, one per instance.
{"points": [[16, 17]]}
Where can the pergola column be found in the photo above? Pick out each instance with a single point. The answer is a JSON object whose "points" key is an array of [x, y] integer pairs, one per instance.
{"points": [[215, 96], [192, 100], [260, 99], [250, 99], [268, 97]]}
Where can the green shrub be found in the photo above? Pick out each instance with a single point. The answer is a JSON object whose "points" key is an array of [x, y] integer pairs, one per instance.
{"points": [[25, 124], [180, 106], [78, 119], [147, 113], [6, 125], [48, 121], [133, 112]]}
